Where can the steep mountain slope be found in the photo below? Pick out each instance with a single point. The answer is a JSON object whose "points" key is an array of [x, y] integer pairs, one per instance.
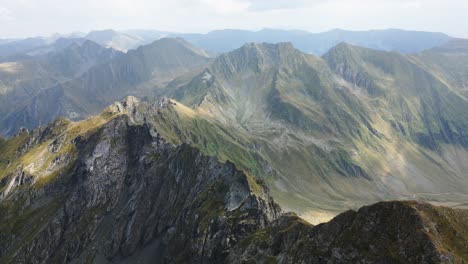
{"points": [[107, 188], [66, 58], [355, 127], [268, 80], [72, 57], [36, 45], [388, 232], [320, 43], [24, 77], [422, 105], [448, 62], [21, 46], [111, 189], [325, 134], [102, 84]]}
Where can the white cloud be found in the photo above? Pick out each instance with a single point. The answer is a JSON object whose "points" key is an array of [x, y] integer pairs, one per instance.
{"points": [[5, 14], [226, 7], [266, 5]]}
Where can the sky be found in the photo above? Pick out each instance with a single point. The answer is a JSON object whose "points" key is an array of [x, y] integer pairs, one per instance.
{"points": [[25, 18]]}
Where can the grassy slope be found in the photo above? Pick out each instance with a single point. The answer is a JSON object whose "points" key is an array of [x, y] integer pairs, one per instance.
{"points": [[319, 142], [331, 144], [449, 63], [42, 156], [413, 100], [51, 144], [449, 229], [101, 85], [444, 227]]}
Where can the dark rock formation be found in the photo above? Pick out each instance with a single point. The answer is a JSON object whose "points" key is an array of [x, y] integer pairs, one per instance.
{"points": [[386, 232], [133, 196], [111, 189]]}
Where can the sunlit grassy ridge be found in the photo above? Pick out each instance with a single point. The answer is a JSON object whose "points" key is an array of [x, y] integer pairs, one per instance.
{"points": [[415, 101], [351, 128], [41, 155], [45, 152], [355, 126]]}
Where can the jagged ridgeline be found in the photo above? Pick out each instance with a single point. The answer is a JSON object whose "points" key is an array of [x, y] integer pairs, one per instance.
{"points": [[114, 189], [111, 188], [325, 134], [353, 127], [36, 90]]}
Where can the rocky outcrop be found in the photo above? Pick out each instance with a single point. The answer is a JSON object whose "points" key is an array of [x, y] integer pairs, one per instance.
{"points": [[132, 196], [111, 189], [387, 232]]}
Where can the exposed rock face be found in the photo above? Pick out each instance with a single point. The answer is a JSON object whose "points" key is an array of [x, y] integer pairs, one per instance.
{"points": [[128, 191], [353, 127], [387, 232], [111, 189]]}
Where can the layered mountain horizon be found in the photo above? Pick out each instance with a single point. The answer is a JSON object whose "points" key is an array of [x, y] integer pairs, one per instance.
{"points": [[192, 147], [343, 115], [224, 40]]}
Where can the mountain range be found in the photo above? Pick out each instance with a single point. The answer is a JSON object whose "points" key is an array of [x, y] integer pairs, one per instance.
{"points": [[121, 149], [347, 126], [100, 85], [112, 189], [229, 39], [324, 130], [320, 43]]}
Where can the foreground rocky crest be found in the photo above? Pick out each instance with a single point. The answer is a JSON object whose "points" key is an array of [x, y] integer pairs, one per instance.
{"points": [[386, 232], [125, 189], [111, 189]]}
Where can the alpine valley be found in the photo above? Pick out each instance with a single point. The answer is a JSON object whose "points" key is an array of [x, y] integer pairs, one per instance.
{"points": [[136, 147]]}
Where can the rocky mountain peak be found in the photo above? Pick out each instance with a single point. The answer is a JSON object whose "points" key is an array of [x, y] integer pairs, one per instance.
{"points": [[178, 199], [172, 46], [257, 57], [400, 232], [268, 49], [165, 102], [21, 131], [109, 188]]}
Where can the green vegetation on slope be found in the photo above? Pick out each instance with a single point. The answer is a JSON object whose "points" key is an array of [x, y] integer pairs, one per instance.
{"points": [[356, 125]]}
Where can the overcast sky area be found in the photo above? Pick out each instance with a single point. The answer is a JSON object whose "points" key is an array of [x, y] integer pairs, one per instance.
{"points": [[22, 18]]}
